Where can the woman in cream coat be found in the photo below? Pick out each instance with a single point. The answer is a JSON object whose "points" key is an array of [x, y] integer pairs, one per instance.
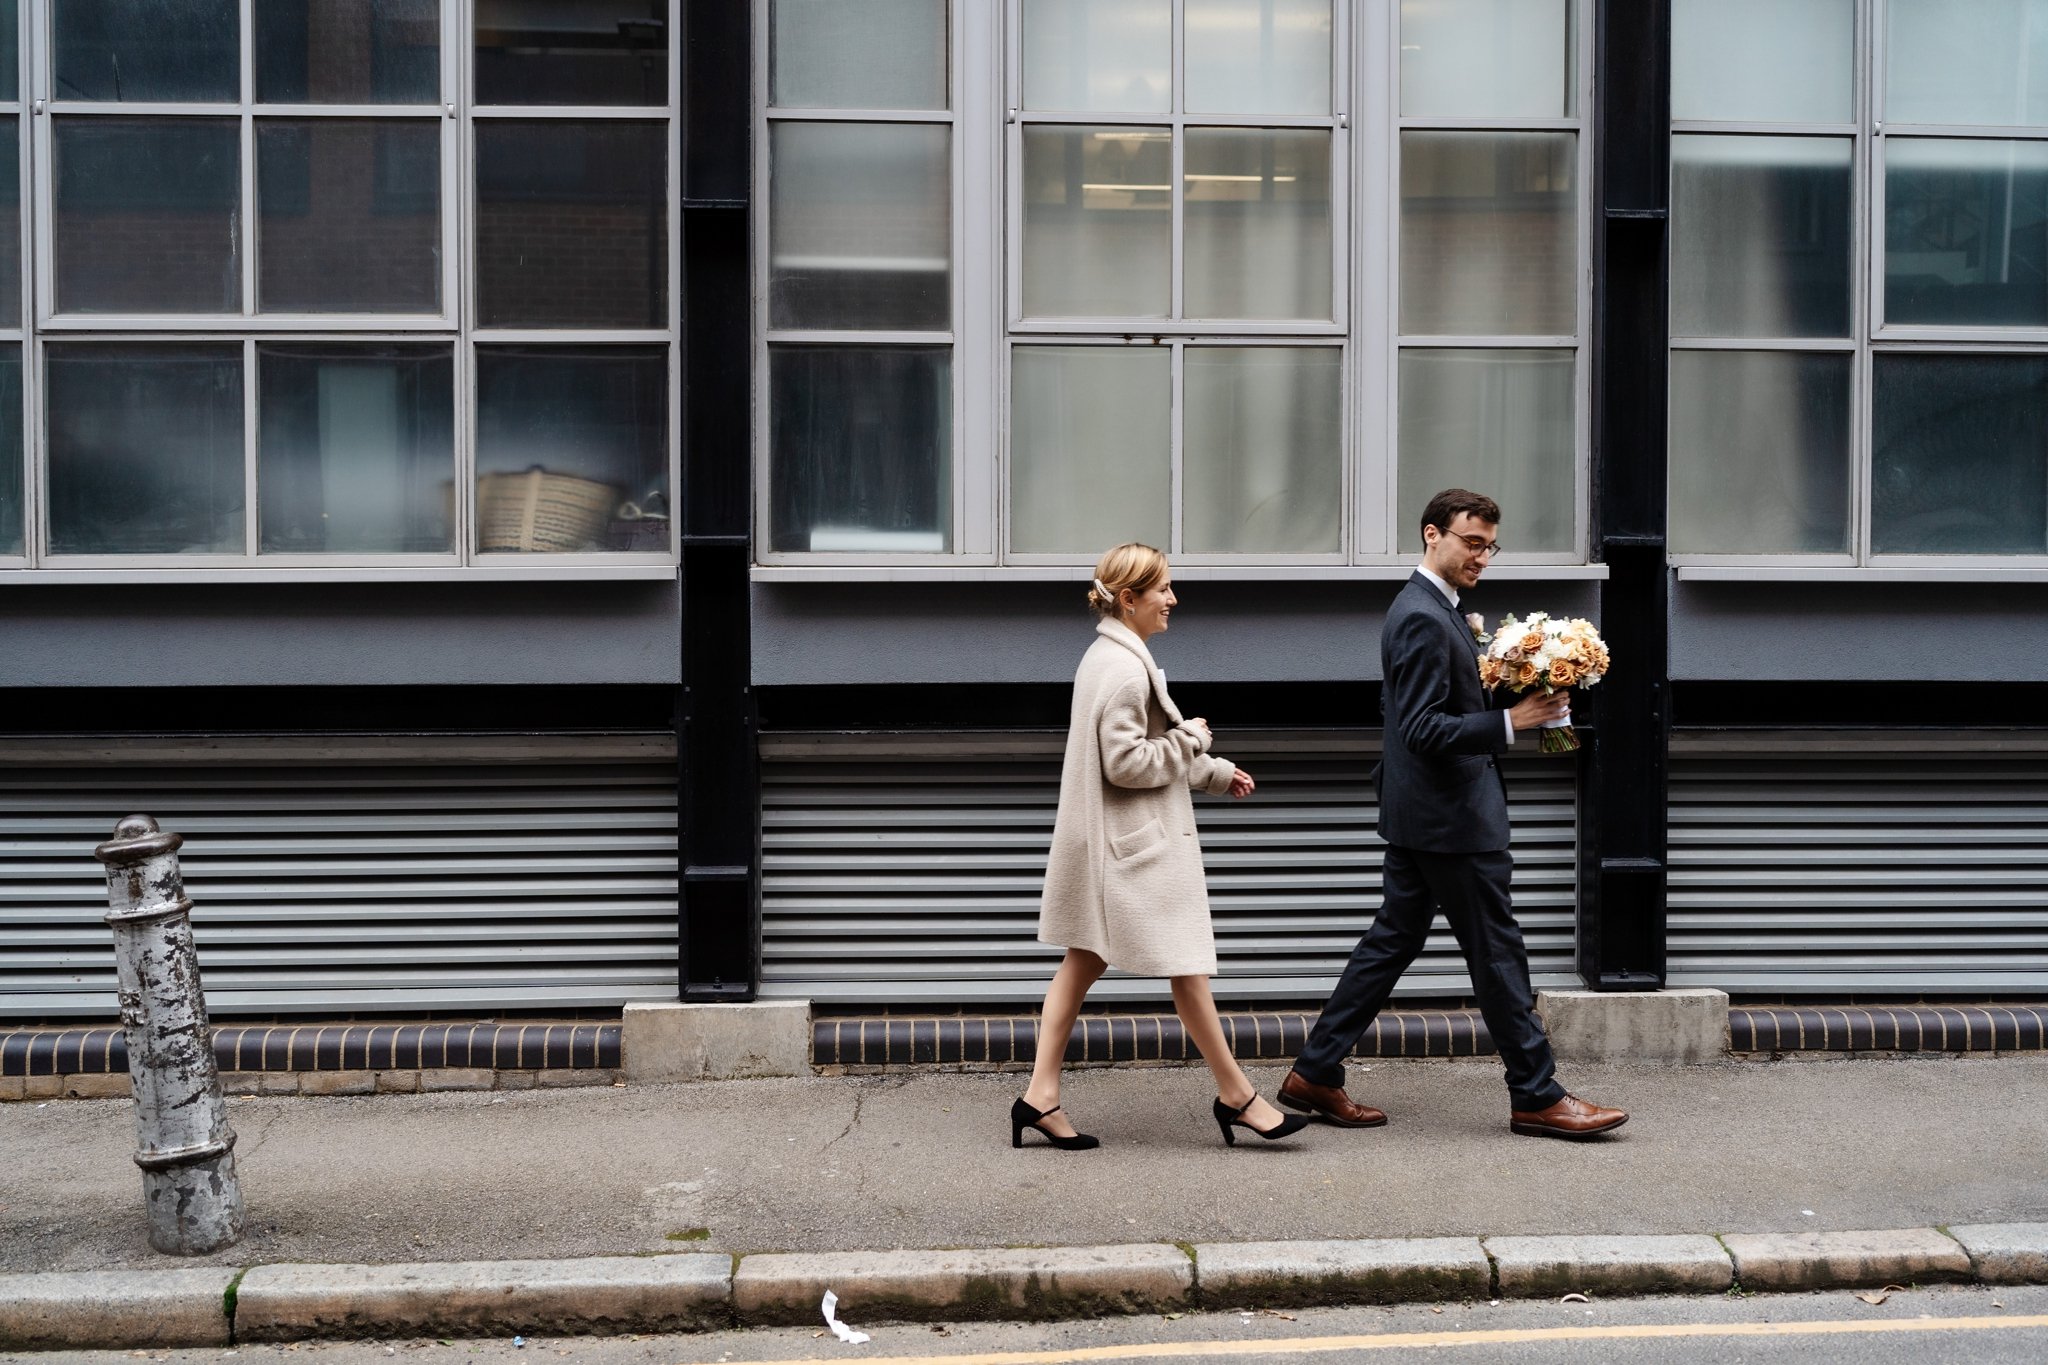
{"points": [[1124, 886]]}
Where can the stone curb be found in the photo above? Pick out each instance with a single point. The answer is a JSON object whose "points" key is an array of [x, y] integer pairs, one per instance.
{"points": [[474, 1298], [693, 1291]]}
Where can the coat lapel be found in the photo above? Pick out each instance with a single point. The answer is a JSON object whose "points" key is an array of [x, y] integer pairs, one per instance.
{"points": [[1128, 638], [1436, 595]]}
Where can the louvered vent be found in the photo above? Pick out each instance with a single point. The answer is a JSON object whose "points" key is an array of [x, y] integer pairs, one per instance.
{"points": [[897, 871], [327, 890], [1804, 869]]}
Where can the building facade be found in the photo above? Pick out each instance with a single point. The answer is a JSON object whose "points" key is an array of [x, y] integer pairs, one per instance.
{"points": [[582, 501]]}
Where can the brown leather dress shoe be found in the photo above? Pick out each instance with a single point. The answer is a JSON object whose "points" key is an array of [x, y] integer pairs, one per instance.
{"points": [[1571, 1118], [1328, 1100]]}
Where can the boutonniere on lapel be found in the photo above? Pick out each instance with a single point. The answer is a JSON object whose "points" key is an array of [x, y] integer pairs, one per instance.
{"points": [[1478, 624]]}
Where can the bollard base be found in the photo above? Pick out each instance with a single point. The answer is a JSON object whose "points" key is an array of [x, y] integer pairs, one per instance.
{"points": [[194, 1210]]}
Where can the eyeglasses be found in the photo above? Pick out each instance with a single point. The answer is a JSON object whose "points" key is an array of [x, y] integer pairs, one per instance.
{"points": [[1489, 548]]}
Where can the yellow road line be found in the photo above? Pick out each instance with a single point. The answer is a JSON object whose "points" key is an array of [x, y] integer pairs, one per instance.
{"points": [[1183, 1350]]}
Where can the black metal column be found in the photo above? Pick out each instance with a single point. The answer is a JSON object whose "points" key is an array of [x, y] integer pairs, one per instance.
{"points": [[1623, 837], [720, 773]]}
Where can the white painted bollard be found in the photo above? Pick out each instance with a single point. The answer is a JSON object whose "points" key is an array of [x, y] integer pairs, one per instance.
{"points": [[183, 1143]]}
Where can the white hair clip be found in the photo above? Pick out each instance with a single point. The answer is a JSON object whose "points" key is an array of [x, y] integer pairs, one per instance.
{"points": [[1101, 591]]}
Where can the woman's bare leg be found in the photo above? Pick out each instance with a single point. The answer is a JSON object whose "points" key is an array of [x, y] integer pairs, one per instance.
{"points": [[1079, 970], [1197, 1010]]}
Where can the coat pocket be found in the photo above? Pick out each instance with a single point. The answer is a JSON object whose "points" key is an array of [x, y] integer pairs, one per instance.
{"points": [[1148, 835]]}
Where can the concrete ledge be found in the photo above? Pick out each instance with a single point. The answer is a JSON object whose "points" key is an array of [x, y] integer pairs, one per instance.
{"points": [[1375, 1271], [1532, 1266], [2006, 1253], [1827, 1260], [605, 1293], [1636, 1026], [663, 1041], [877, 1286], [115, 1309]]}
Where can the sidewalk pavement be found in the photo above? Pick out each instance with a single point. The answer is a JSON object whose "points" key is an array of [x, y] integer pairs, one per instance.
{"points": [[366, 1212]]}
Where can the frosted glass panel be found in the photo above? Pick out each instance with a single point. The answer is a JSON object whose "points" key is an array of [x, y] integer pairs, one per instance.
{"points": [[1760, 236], [1089, 461], [1765, 61], [1258, 56], [862, 226], [1759, 452], [1496, 421], [877, 54], [1489, 234], [1966, 61], [861, 449], [1099, 56], [1963, 231], [1257, 222], [1098, 222], [1957, 461], [1263, 457], [11, 532], [1488, 58]]}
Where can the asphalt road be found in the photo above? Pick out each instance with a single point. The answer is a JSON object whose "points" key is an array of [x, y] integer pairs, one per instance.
{"points": [[1912, 1327], [923, 1160]]}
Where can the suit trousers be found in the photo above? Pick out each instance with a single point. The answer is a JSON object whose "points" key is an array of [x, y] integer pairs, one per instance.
{"points": [[1472, 891]]}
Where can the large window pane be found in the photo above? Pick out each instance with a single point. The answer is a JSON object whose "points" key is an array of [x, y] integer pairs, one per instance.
{"points": [[1257, 216], [10, 50], [1098, 222], [10, 222], [1760, 240], [148, 215], [11, 530], [884, 54], [1089, 448], [1759, 452], [355, 448], [1966, 61], [1099, 56], [1963, 232], [861, 449], [1487, 58], [142, 50], [145, 448], [572, 448], [1264, 449], [348, 51], [1499, 422], [1489, 234], [1959, 460], [1258, 56], [862, 223], [572, 224], [572, 52], [1764, 61], [349, 215]]}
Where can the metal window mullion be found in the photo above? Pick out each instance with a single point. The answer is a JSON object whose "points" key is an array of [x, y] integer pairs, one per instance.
{"points": [[458, 69], [1867, 249], [1380, 54], [41, 301], [977, 275], [759, 228], [1176, 450], [247, 111], [250, 492], [1836, 345], [1585, 156], [677, 419], [571, 113]]}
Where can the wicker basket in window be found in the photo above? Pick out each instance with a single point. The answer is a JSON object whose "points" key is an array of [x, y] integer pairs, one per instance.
{"points": [[542, 511]]}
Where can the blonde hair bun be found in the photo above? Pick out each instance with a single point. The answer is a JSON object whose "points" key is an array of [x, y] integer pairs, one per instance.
{"points": [[1130, 565]]}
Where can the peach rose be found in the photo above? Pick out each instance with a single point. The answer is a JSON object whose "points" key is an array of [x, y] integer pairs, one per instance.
{"points": [[1489, 672], [1562, 673], [1531, 642], [1527, 674]]}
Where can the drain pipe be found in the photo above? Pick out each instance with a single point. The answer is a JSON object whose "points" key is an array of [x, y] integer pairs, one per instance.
{"points": [[183, 1143]]}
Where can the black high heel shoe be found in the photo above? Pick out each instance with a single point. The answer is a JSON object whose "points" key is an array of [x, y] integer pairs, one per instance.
{"points": [[1023, 1116], [1228, 1118]]}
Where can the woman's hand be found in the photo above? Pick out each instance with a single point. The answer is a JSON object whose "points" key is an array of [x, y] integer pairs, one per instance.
{"points": [[1200, 725], [1241, 784]]}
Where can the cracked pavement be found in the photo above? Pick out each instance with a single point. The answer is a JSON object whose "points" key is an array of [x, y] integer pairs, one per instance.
{"points": [[922, 1159]]}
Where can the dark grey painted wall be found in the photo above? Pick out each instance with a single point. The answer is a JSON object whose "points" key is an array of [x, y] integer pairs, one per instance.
{"points": [[824, 633], [1913, 632], [376, 634]]}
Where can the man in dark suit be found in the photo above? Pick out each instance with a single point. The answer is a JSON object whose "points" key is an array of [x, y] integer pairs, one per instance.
{"points": [[1444, 816]]}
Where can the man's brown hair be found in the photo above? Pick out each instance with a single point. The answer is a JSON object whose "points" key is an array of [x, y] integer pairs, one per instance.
{"points": [[1444, 508]]}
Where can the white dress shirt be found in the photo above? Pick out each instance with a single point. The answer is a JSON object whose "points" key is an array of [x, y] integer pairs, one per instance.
{"points": [[1451, 595]]}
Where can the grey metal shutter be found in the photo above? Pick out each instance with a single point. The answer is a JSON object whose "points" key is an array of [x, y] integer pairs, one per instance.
{"points": [[324, 887], [899, 869], [1856, 864]]}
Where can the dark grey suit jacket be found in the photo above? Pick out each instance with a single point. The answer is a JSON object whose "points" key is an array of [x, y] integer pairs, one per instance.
{"points": [[1440, 789]]}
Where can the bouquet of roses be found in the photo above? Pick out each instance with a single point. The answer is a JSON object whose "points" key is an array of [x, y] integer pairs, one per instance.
{"points": [[1541, 651]]}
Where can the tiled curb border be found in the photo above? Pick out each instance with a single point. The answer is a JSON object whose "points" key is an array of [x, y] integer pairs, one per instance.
{"points": [[327, 1059], [870, 1043], [223, 1305]]}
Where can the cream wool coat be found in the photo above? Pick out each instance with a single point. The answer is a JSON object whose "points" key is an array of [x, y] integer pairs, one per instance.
{"points": [[1125, 877]]}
